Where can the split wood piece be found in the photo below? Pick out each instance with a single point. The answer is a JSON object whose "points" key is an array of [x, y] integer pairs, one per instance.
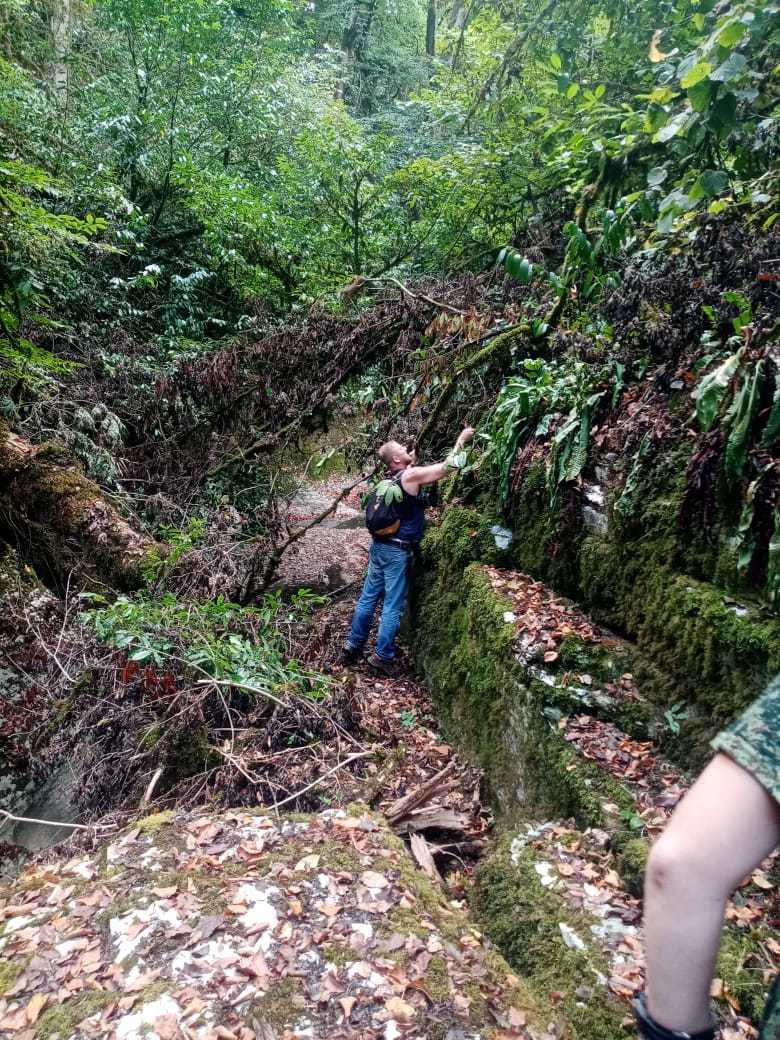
{"points": [[404, 805], [63, 523], [437, 817], [422, 853]]}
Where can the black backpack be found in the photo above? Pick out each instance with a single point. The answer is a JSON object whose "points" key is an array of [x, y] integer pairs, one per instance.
{"points": [[383, 515]]}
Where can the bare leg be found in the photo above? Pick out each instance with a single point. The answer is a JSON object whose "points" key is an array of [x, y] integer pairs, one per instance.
{"points": [[722, 829]]}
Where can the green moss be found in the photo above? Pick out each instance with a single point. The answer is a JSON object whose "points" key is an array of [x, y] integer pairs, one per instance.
{"points": [[150, 824], [338, 954], [57, 1023], [10, 972], [278, 1008], [743, 971], [522, 918], [437, 980], [631, 864], [503, 719]]}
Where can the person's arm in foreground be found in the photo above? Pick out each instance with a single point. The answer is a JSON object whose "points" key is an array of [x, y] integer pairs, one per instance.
{"points": [[723, 828], [415, 477]]}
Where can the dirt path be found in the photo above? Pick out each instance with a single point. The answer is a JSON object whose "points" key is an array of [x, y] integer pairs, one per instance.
{"points": [[396, 716]]}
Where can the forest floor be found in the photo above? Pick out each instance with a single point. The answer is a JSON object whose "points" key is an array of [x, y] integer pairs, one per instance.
{"points": [[396, 715]]}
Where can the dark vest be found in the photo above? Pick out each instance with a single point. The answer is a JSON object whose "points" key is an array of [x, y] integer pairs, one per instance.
{"points": [[412, 513]]}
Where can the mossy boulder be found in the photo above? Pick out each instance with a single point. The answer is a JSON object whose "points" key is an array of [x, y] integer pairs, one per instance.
{"points": [[696, 647], [504, 712], [307, 924]]}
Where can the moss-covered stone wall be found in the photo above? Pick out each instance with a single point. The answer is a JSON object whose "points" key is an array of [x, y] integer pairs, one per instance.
{"points": [[698, 646]]}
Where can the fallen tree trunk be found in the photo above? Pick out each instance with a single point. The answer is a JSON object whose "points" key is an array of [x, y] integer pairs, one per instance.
{"points": [[62, 522]]}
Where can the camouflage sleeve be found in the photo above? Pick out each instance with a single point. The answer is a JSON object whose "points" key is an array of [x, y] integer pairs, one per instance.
{"points": [[770, 1024], [753, 739]]}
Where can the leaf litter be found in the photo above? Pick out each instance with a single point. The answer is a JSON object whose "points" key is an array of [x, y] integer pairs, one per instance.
{"points": [[319, 932]]}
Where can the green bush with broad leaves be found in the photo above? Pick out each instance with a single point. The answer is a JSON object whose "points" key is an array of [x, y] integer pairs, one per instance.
{"points": [[206, 640]]}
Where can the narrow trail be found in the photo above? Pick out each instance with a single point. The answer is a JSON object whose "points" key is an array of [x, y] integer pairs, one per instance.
{"points": [[396, 715]]}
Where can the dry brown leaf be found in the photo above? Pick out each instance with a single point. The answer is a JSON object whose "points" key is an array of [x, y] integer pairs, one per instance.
{"points": [[166, 1027], [347, 1003], [400, 1010], [37, 1003], [374, 880], [307, 863]]}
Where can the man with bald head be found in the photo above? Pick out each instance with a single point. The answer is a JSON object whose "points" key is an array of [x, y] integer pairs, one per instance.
{"points": [[390, 556]]}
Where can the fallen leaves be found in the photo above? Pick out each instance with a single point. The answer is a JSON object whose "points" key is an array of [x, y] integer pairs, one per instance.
{"points": [[207, 966]]}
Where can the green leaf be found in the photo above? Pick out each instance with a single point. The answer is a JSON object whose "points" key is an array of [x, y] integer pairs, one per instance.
{"points": [[743, 411], [699, 96], [724, 114], [673, 127], [555, 61], [657, 176], [700, 71], [599, 92], [710, 392], [655, 118], [713, 182], [519, 267], [731, 33], [772, 428], [573, 90], [732, 67]]}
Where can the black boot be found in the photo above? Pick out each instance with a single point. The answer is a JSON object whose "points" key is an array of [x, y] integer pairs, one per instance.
{"points": [[649, 1029], [351, 654]]}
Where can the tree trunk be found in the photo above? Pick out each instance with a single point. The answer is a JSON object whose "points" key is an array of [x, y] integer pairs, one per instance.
{"points": [[62, 522], [457, 16], [430, 30], [59, 42]]}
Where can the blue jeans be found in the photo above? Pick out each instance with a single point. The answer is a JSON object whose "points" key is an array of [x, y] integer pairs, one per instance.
{"points": [[388, 568]]}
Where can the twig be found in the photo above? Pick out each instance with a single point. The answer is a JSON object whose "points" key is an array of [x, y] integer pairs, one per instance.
{"points": [[241, 686], [473, 362], [274, 559], [56, 823], [416, 296], [150, 789], [404, 805], [314, 783]]}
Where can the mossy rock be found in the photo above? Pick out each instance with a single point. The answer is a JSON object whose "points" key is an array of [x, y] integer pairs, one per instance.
{"points": [[497, 713], [523, 919], [632, 863]]}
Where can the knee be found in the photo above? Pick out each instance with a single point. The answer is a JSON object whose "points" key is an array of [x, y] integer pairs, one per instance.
{"points": [[669, 865]]}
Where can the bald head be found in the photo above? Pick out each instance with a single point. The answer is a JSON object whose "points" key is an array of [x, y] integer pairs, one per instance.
{"points": [[394, 456]]}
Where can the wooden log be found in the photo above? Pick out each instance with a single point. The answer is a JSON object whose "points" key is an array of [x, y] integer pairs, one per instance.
{"points": [[404, 805], [63, 523], [422, 853], [433, 817]]}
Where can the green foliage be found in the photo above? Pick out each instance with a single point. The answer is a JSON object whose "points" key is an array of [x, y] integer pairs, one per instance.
{"points": [[180, 542], [527, 407], [213, 639], [674, 715], [389, 490]]}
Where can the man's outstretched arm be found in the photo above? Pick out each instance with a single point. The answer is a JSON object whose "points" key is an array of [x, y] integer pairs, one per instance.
{"points": [[416, 477]]}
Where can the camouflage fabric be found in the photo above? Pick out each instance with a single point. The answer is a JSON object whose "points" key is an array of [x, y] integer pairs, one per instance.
{"points": [[753, 739], [770, 1026]]}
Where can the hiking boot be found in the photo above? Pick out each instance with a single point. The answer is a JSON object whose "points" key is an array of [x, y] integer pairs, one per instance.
{"points": [[379, 664], [649, 1029], [351, 654]]}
